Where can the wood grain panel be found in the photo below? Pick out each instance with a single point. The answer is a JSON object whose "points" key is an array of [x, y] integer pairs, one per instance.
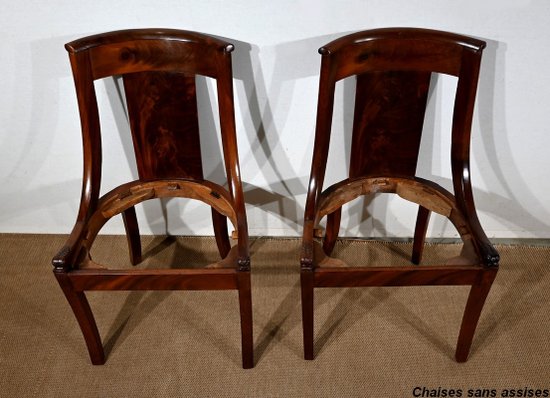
{"points": [[162, 108], [388, 121]]}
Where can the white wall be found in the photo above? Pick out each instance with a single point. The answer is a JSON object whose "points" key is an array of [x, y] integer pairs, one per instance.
{"points": [[276, 76]]}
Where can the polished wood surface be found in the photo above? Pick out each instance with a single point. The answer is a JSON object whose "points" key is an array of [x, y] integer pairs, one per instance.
{"points": [[158, 69], [387, 127], [165, 147], [393, 69]]}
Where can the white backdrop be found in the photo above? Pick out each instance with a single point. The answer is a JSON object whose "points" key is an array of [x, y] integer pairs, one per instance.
{"points": [[276, 68]]}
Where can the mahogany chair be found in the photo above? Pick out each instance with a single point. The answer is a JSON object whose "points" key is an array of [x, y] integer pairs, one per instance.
{"points": [[158, 69], [393, 69]]}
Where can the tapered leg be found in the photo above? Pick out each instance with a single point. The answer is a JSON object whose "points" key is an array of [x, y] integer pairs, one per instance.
{"points": [[331, 234], [422, 220], [474, 305], [220, 231], [84, 316], [306, 281], [245, 304], [132, 234]]}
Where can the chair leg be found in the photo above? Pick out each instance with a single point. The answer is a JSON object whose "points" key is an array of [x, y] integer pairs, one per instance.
{"points": [[422, 220], [306, 282], [220, 231], [331, 234], [472, 312], [132, 234], [85, 318], [245, 304]]}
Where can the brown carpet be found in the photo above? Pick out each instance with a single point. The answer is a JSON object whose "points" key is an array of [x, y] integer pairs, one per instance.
{"points": [[370, 342]]}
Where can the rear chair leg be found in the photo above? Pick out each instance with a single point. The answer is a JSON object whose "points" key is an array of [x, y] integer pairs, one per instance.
{"points": [[220, 232], [331, 234], [132, 234], [83, 313], [422, 220], [472, 312]]}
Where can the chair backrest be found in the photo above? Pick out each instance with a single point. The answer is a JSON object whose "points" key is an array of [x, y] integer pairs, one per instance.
{"points": [[393, 68], [158, 68]]}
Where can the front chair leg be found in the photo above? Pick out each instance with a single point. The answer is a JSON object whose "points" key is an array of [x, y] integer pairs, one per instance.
{"points": [[132, 234], [472, 312], [83, 313], [245, 304], [306, 282]]}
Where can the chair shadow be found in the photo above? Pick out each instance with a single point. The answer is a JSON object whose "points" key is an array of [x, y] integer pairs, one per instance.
{"points": [[32, 150], [522, 298], [358, 303], [342, 317], [419, 326], [287, 317], [128, 318], [491, 148], [279, 325], [139, 305], [269, 100]]}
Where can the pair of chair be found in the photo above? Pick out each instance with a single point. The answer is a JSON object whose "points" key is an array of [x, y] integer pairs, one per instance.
{"points": [[158, 68]]}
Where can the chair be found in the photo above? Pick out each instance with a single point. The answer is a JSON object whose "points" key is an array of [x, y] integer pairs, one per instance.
{"points": [[393, 69], [158, 69]]}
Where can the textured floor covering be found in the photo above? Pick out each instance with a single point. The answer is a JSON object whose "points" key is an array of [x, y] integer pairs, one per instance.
{"points": [[370, 342]]}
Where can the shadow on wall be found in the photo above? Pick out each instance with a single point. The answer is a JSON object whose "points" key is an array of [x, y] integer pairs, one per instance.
{"points": [[506, 175], [490, 149], [33, 146], [266, 104], [275, 184]]}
